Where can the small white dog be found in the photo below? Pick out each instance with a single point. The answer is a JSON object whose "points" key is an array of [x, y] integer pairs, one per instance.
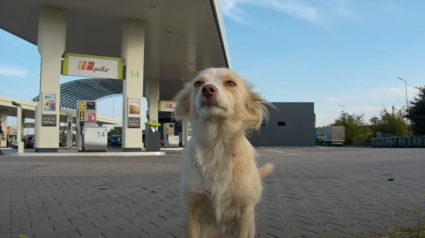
{"points": [[220, 182]]}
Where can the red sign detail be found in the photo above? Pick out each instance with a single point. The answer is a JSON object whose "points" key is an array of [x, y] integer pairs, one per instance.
{"points": [[91, 116], [90, 65]]}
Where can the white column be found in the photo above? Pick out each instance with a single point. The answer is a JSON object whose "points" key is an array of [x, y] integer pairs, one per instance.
{"points": [[3, 116], [23, 124], [19, 130], [51, 45], [133, 47], [153, 99], [36, 123]]}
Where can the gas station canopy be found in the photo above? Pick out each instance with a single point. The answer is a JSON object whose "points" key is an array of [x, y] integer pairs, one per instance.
{"points": [[91, 89], [181, 38], [129, 46]]}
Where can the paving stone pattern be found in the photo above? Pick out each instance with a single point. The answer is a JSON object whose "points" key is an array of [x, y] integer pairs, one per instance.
{"points": [[312, 193]]}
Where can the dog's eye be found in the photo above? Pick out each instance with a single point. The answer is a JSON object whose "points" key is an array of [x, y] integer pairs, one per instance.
{"points": [[230, 83], [198, 84]]}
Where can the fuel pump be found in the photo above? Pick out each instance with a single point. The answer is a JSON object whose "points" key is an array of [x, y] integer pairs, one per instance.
{"points": [[90, 137], [170, 139], [186, 132], [67, 141]]}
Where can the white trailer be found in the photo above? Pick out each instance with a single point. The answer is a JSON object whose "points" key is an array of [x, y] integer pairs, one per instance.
{"points": [[333, 135]]}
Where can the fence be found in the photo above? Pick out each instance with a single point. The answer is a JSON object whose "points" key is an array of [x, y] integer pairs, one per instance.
{"points": [[400, 142], [358, 142]]}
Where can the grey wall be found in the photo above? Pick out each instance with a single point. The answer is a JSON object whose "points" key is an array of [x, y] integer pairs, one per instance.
{"points": [[297, 126]]}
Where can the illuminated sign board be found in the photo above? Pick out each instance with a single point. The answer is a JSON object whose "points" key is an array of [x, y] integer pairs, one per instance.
{"points": [[166, 106], [92, 66]]}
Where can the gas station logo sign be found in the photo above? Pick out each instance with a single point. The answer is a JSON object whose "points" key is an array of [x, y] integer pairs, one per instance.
{"points": [[89, 65], [92, 66], [166, 106]]}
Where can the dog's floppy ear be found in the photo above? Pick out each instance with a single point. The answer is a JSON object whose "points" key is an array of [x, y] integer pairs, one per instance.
{"points": [[256, 109], [182, 99]]}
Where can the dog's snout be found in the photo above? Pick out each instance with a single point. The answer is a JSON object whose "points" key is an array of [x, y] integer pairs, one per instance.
{"points": [[209, 90]]}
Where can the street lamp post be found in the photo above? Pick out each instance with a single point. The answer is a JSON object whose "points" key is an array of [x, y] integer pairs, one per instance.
{"points": [[343, 108], [405, 88]]}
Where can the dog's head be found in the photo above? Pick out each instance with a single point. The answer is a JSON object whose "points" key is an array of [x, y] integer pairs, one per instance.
{"points": [[220, 93]]}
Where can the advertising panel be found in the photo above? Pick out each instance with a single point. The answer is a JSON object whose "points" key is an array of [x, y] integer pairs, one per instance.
{"points": [[48, 120], [134, 106], [133, 122], [49, 102]]}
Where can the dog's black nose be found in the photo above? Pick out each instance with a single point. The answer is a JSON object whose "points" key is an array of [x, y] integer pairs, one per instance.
{"points": [[209, 90]]}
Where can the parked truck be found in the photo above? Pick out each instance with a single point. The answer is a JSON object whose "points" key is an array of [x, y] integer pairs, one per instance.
{"points": [[332, 135]]}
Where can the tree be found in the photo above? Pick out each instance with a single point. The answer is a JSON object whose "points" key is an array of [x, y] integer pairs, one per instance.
{"points": [[355, 127], [389, 122], [117, 130], [416, 113]]}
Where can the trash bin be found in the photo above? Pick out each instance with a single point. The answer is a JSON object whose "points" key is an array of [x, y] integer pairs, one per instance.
{"points": [[381, 143], [419, 141], [152, 137], [409, 142], [404, 142], [394, 142], [415, 141]]}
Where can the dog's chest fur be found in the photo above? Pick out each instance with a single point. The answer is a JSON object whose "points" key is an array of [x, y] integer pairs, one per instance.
{"points": [[214, 179], [214, 161], [214, 169]]}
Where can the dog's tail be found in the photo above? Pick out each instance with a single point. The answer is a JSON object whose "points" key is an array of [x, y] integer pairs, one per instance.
{"points": [[265, 170]]}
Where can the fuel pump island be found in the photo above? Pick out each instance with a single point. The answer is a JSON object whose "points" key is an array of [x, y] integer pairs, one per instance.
{"points": [[90, 136]]}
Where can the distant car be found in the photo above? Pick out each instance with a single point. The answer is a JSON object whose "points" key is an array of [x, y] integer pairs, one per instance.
{"points": [[29, 142], [115, 140]]}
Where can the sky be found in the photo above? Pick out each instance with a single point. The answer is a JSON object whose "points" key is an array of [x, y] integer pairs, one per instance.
{"points": [[339, 54]]}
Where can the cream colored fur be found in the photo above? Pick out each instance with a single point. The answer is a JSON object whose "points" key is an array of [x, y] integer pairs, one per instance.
{"points": [[220, 181]]}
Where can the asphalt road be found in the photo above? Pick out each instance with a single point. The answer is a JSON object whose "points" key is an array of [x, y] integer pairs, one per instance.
{"points": [[314, 192]]}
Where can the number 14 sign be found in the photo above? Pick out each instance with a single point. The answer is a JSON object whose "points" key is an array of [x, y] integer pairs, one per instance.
{"points": [[91, 116]]}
